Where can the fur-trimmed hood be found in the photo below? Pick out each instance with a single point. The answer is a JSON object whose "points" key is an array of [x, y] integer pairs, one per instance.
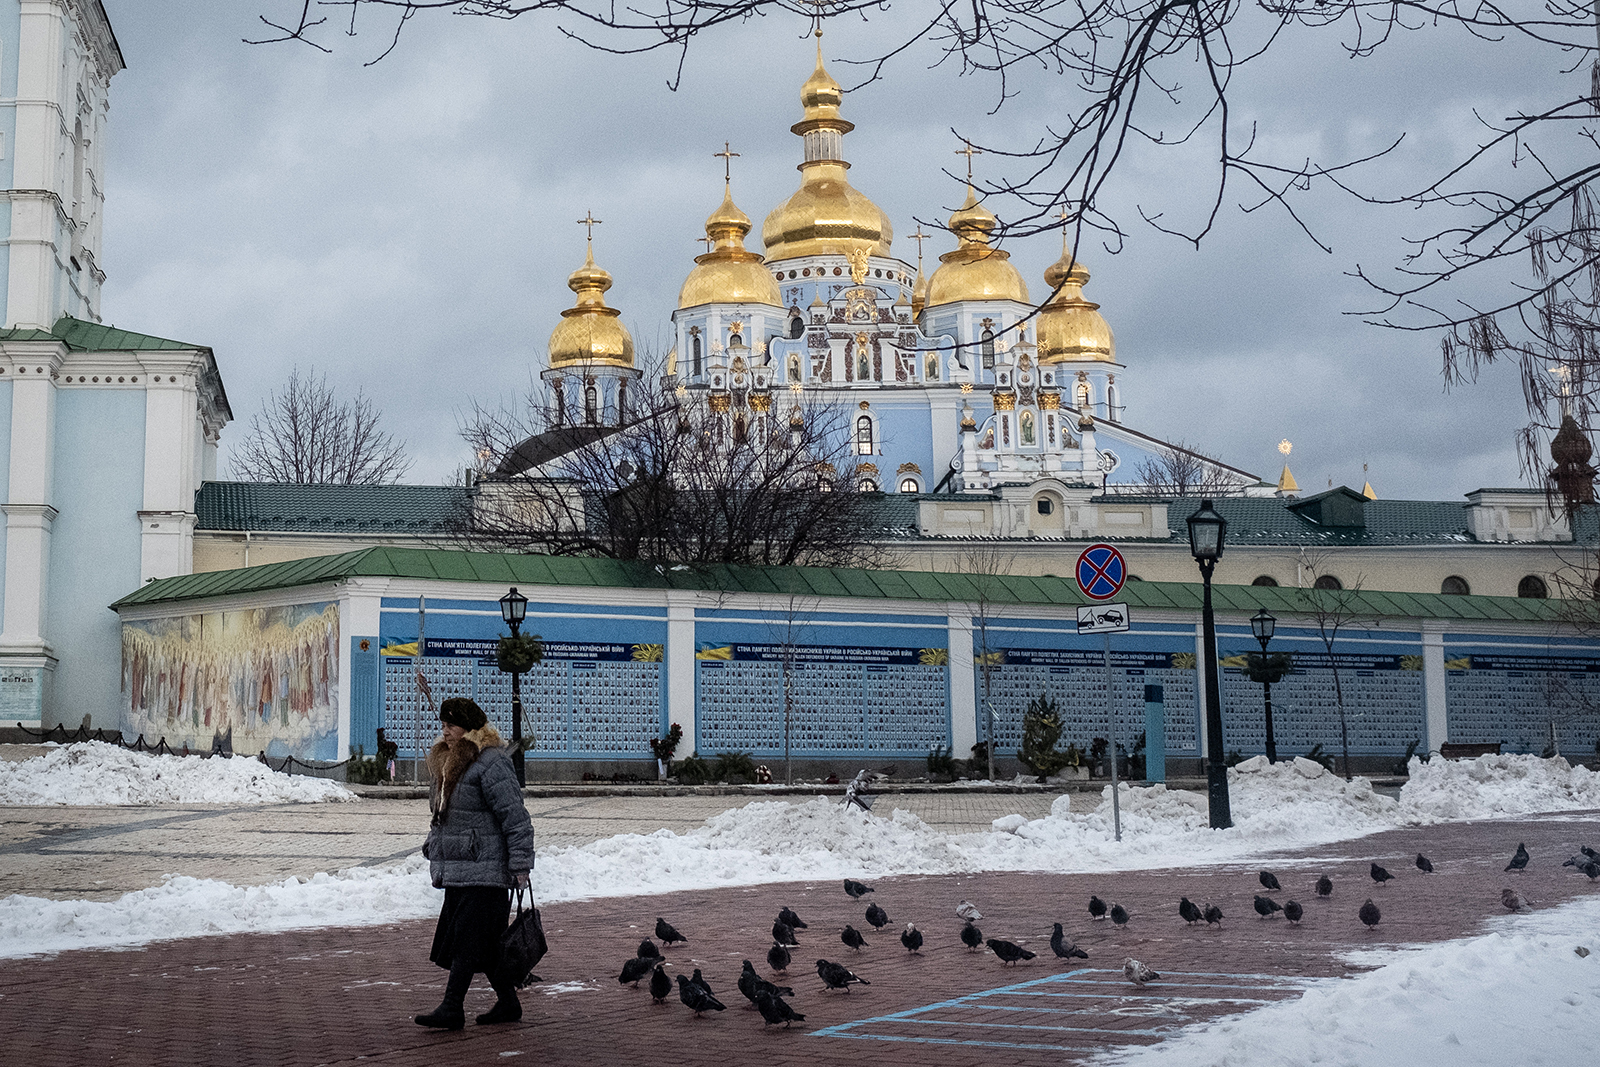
{"points": [[447, 763]]}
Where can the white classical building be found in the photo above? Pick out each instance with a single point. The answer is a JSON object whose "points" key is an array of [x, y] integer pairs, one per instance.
{"points": [[107, 434]]}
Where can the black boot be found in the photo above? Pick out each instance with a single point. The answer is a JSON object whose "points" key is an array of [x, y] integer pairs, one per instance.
{"points": [[450, 1014], [507, 1008]]}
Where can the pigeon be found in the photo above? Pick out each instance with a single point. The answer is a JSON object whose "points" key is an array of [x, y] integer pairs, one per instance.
{"points": [[774, 1009], [636, 969], [1009, 953], [855, 889], [971, 936], [1213, 915], [1097, 908], [911, 938], [696, 999], [660, 984], [1324, 886], [1380, 875], [648, 950], [778, 959], [836, 977], [968, 911], [783, 933], [1188, 911], [1292, 911], [700, 981], [1424, 864], [791, 920], [1269, 881], [1139, 973], [668, 933], [1591, 853], [1265, 906], [1520, 860], [1512, 901], [752, 984], [1592, 869], [852, 937], [1119, 915], [877, 916], [1064, 949], [1370, 914]]}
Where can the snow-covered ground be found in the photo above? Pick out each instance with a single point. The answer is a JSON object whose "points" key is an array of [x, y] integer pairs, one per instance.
{"points": [[97, 773], [1275, 807], [1521, 994]]}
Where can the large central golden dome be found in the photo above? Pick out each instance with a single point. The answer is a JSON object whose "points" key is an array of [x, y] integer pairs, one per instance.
{"points": [[729, 273], [1071, 328], [975, 270], [827, 215], [589, 332]]}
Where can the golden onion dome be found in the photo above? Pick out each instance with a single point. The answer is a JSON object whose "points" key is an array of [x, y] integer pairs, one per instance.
{"points": [[1071, 328], [826, 215], [919, 292], [729, 273], [975, 270], [589, 331]]}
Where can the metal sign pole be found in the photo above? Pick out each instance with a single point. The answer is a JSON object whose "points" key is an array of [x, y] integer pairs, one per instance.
{"points": [[1111, 716]]}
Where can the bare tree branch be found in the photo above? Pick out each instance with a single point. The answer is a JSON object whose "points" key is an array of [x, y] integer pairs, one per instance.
{"points": [[306, 435]]}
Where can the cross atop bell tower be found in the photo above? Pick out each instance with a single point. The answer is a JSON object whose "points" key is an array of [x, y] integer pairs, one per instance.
{"points": [[52, 172]]}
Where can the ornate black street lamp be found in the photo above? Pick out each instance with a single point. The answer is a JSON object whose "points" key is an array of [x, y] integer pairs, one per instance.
{"points": [[513, 609], [1207, 533], [1262, 624]]}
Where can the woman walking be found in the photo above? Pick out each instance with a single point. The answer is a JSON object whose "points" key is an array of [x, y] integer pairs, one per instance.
{"points": [[479, 846]]}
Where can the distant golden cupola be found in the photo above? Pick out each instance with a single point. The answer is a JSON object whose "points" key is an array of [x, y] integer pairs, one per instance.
{"points": [[1071, 328], [589, 331], [827, 216], [975, 270], [729, 273]]}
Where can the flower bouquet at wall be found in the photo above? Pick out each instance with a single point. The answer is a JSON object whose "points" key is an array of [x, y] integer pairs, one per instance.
{"points": [[1041, 730], [663, 747]]}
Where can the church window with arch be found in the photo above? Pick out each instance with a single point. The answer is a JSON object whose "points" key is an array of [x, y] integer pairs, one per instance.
{"points": [[864, 442], [699, 358], [1082, 393], [735, 339], [797, 325], [910, 485], [986, 345], [622, 399], [866, 485], [591, 405], [1111, 403]]}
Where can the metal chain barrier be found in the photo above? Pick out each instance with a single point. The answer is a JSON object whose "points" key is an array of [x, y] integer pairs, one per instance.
{"points": [[286, 764]]}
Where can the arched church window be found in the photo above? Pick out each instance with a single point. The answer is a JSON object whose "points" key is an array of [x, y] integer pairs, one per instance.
{"points": [[909, 485], [794, 366], [735, 339], [1455, 585], [1025, 427], [622, 399], [797, 325], [986, 346], [699, 365], [1111, 404], [867, 485], [864, 436], [591, 405], [1327, 581], [1265, 580], [1532, 587]]}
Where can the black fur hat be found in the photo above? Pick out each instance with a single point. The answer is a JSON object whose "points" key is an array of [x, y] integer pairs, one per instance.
{"points": [[462, 712]]}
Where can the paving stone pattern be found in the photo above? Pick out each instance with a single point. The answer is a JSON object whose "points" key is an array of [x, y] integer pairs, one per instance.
{"points": [[343, 996]]}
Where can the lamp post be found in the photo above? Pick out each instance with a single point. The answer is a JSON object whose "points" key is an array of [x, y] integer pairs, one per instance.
{"points": [[513, 609], [1262, 624], [1207, 531]]}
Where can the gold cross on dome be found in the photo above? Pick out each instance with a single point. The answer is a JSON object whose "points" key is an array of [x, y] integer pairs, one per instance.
{"points": [[707, 241], [727, 155], [589, 222], [817, 14], [969, 152], [1064, 215], [919, 237]]}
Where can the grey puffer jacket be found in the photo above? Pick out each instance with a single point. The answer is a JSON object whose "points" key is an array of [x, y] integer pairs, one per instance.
{"points": [[481, 833]]}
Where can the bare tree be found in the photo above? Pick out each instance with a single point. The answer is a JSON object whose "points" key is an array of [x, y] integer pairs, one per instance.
{"points": [[1331, 603], [1184, 471], [791, 624], [987, 563], [685, 478], [305, 434]]}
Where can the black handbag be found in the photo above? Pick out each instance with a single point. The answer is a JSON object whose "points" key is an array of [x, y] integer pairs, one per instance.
{"points": [[522, 946]]}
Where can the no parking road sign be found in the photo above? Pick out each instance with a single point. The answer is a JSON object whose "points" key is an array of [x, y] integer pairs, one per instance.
{"points": [[1101, 572]]}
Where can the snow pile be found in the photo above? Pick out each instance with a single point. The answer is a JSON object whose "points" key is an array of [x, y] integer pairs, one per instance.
{"points": [[1493, 786], [1521, 993], [96, 773]]}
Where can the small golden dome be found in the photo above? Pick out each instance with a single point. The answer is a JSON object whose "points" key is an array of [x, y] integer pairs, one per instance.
{"points": [[975, 271], [919, 292], [1071, 328], [827, 215], [729, 273], [589, 331]]}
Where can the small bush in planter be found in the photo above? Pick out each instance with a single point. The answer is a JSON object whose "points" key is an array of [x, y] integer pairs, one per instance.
{"points": [[735, 767], [693, 771], [1041, 729], [363, 771], [942, 765]]}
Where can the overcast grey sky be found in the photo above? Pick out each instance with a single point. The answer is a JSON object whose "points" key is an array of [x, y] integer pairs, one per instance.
{"points": [[408, 227]]}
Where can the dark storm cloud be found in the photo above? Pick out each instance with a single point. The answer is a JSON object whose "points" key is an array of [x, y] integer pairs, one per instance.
{"points": [[408, 228]]}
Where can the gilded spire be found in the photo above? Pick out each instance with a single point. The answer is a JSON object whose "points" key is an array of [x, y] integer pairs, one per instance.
{"points": [[975, 270], [728, 273], [589, 331]]}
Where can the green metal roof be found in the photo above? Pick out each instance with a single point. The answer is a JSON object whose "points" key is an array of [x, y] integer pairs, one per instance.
{"points": [[81, 336], [491, 568], [334, 509]]}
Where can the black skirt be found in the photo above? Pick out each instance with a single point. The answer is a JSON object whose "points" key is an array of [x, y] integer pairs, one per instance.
{"points": [[470, 926]]}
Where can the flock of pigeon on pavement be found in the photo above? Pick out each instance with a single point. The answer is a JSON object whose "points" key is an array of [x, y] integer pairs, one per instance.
{"points": [[768, 997]]}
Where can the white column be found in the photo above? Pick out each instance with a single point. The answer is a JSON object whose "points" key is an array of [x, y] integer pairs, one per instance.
{"points": [[963, 684], [36, 213], [680, 667], [29, 514], [167, 519], [360, 611], [1436, 724]]}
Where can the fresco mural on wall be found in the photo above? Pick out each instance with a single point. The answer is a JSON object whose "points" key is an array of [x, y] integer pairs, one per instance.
{"points": [[268, 675]]}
